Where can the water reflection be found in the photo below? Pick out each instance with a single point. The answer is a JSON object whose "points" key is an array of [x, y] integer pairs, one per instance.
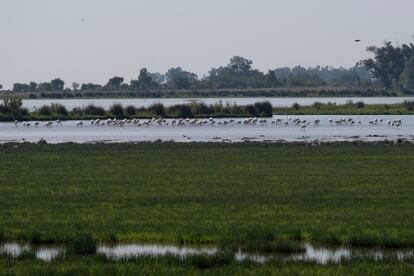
{"points": [[318, 254]]}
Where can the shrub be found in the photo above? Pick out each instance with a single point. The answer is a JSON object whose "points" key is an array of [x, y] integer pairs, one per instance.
{"points": [[296, 106], [158, 109], [117, 110], [200, 108], [360, 104], [251, 109], [182, 111], [45, 110], [59, 109], [264, 108], [317, 105], [94, 110], [409, 105], [130, 110]]}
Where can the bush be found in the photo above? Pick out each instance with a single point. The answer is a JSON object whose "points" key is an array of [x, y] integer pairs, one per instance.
{"points": [[158, 109], [59, 109], [182, 111], [409, 105], [84, 244], [296, 106], [264, 108], [94, 110], [117, 110], [45, 110], [317, 105], [130, 110], [201, 108], [360, 104], [251, 109]]}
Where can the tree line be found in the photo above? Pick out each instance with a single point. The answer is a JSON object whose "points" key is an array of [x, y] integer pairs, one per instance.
{"points": [[392, 67]]}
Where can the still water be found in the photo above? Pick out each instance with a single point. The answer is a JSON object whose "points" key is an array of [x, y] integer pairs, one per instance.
{"points": [[277, 102], [325, 131], [318, 254]]}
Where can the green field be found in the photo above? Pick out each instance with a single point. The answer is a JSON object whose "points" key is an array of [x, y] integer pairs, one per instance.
{"points": [[345, 193], [404, 108]]}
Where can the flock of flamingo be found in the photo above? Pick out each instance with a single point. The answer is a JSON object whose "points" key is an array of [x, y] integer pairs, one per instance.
{"points": [[289, 121]]}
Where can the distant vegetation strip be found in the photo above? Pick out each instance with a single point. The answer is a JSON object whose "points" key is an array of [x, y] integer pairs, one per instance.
{"points": [[11, 109], [322, 91], [350, 108]]}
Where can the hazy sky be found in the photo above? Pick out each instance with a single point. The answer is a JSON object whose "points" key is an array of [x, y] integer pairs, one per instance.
{"points": [[44, 39]]}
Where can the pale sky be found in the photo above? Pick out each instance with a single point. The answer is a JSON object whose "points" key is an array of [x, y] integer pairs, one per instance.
{"points": [[45, 39]]}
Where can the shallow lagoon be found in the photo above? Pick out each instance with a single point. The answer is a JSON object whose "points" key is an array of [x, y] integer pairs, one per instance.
{"points": [[326, 131]]}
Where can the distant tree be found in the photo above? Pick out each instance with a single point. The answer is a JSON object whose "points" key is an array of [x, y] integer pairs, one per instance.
{"points": [[90, 86], [124, 86], [44, 87], [115, 83], [75, 86], [158, 78], [57, 84], [408, 75], [389, 62], [237, 74], [144, 79], [271, 79], [177, 78], [239, 64], [1, 87], [33, 86], [21, 87]]}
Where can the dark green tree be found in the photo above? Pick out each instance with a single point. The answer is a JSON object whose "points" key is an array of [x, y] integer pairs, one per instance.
{"points": [[44, 87], [388, 62], [177, 78], [144, 79], [408, 75], [239, 64], [115, 83], [33, 86], [75, 86], [271, 79], [57, 84]]}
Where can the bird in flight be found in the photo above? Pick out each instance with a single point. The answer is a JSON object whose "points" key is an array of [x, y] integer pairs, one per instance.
{"points": [[83, 19], [357, 40]]}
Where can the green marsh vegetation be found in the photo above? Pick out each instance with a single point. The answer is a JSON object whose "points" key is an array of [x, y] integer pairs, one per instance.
{"points": [[255, 196], [350, 108], [196, 265], [352, 194], [12, 109]]}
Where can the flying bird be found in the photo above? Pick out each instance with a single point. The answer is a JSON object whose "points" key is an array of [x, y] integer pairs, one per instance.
{"points": [[357, 40]]}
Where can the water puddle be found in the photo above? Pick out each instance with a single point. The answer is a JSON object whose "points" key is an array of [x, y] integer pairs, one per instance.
{"points": [[42, 252], [318, 254]]}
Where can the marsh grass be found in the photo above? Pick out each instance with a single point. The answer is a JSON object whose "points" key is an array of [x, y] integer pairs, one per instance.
{"points": [[253, 194], [350, 108], [83, 244]]}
